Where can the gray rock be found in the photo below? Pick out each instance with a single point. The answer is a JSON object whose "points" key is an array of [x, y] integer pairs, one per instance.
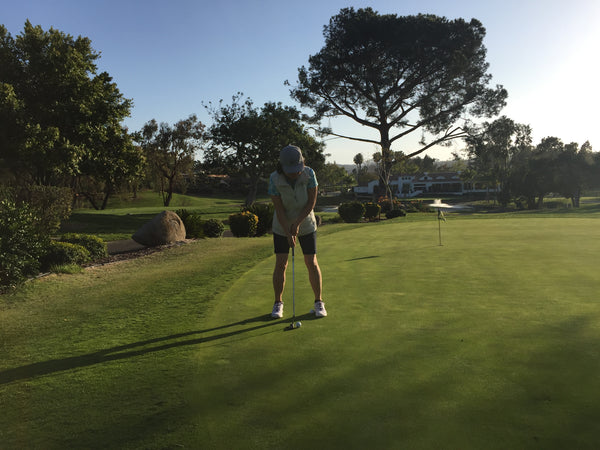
{"points": [[164, 228]]}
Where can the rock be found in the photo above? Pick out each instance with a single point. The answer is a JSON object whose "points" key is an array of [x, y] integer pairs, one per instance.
{"points": [[164, 228]]}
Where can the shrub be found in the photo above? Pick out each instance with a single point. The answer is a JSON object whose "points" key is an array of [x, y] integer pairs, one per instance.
{"points": [[213, 228], [351, 212], [264, 212], [183, 214], [243, 224], [21, 244], [51, 204], [194, 226], [192, 222], [64, 253], [395, 213], [410, 207], [372, 210], [93, 244], [421, 206], [387, 205]]}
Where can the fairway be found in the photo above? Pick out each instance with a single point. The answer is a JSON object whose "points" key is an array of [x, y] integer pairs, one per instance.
{"points": [[489, 341]]}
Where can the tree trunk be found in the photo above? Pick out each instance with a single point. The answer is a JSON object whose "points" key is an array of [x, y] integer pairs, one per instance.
{"points": [[105, 200], [251, 197], [530, 202], [171, 188], [540, 202], [575, 198], [90, 197]]}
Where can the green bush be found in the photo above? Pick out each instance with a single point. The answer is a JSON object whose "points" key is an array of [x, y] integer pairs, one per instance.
{"points": [[93, 244], [183, 214], [51, 204], [410, 207], [194, 227], [372, 210], [21, 244], [63, 253], [395, 213], [421, 206], [264, 212], [351, 212], [192, 222], [213, 228], [387, 205], [243, 224]]}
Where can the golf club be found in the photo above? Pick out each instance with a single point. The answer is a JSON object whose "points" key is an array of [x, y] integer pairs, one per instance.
{"points": [[293, 324]]}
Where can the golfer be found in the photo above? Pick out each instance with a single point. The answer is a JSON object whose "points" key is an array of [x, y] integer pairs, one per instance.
{"points": [[293, 190]]}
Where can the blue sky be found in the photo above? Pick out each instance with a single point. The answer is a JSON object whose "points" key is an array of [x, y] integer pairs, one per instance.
{"points": [[170, 57]]}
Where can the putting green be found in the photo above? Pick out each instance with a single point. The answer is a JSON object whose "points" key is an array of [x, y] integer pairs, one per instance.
{"points": [[489, 341]]}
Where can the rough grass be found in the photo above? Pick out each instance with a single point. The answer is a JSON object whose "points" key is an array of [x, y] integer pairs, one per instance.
{"points": [[489, 341], [124, 214]]}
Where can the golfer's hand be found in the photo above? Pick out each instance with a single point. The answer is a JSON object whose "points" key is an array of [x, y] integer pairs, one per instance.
{"points": [[292, 240], [294, 228], [291, 235]]}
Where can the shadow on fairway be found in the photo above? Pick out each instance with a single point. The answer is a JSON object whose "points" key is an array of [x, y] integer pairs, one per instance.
{"points": [[135, 349], [363, 257], [302, 318]]}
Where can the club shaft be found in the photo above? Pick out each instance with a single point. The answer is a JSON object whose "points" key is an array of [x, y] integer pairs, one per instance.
{"points": [[293, 285]]}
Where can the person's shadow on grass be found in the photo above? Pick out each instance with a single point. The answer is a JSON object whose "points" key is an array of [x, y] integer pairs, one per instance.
{"points": [[140, 348]]}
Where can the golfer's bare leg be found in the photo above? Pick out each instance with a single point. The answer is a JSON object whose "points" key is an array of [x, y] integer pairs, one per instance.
{"points": [[314, 274], [281, 260]]}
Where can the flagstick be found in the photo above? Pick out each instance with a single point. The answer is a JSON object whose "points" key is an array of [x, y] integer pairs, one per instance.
{"points": [[440, 227]]}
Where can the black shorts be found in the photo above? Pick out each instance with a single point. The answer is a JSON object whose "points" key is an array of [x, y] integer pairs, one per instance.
{"points": [[308, 242]]}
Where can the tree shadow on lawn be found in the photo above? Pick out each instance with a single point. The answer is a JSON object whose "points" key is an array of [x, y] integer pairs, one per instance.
{"points": [[105, 223], [137, 349]]}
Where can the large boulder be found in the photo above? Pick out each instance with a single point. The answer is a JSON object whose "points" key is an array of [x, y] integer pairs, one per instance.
{"points": [[164, 228]]}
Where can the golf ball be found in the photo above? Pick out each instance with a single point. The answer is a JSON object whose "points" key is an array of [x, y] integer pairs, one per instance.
{"points": [[298, 324]]}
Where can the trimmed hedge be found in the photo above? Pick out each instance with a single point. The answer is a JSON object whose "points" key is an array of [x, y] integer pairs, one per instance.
{"points": [[93, 244], [264, 212], [372, 210], [62, 253], [395, 213], [21, 244], [243, 224], [213, 228], [351, 212]]}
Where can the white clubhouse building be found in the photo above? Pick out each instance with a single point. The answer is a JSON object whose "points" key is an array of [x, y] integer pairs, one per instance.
{"points": [[449, 183]]}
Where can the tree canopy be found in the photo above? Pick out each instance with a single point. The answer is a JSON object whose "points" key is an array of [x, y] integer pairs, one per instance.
{"points": [[400, 75], [57, 111], [170, 150], [246, 141], [493, 148]]}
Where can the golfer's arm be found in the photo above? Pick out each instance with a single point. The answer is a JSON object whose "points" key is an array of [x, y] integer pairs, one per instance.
{"points": [[310, 205], [280, 211]]}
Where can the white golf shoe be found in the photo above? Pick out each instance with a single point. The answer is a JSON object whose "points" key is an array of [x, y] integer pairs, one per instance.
{"points": [[277, 312], [320, 310]]}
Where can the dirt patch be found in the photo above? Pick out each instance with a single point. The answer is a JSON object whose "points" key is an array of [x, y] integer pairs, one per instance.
{"points": [[129, 249]]}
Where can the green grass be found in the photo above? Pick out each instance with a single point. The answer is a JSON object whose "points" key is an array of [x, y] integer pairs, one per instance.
{"points": [[489, 341], [124, 215]]}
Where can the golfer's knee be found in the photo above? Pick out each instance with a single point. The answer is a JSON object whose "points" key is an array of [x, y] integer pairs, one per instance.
{"points": [[280, 265], [311, 261]]}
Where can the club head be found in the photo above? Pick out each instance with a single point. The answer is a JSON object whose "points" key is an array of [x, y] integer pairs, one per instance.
{"points": [[291, 326]]}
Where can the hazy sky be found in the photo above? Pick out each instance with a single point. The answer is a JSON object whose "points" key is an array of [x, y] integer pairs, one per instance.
{"points": [[172, 56]]}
